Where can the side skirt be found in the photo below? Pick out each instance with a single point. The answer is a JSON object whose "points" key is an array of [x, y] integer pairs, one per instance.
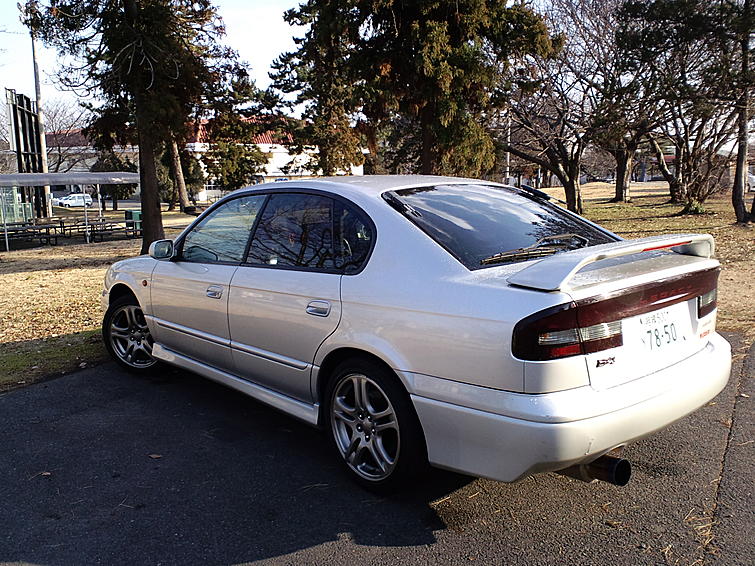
{"points": [[303, 411]]}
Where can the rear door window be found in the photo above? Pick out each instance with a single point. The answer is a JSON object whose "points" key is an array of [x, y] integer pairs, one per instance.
{"points": [[476, 222], [296, 230]]}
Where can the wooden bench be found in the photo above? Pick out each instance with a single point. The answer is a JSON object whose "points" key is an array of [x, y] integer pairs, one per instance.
{"points": [[102, 229], [29, 232]]}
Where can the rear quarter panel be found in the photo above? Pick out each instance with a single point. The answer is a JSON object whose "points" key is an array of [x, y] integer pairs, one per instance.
{"points": [[421, 311]]}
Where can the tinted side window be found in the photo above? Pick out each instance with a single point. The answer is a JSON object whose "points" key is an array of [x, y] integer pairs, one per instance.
{"points": [[355, 238], [223, 234], [296, 230]]}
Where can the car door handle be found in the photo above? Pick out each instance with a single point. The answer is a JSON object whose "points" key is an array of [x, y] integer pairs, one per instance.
{"points": [[318, 308], [214, 291]]}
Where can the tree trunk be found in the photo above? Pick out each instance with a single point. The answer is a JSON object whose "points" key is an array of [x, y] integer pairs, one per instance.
{"points": [[623, 174], [740, 176], [325, 162], [674, 185], [173, 199], [152, 222], [428, 141], [573, 192], [178, 173], [114, 198]]}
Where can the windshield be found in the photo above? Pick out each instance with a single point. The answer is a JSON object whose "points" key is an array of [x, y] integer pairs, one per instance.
{"points": [[477, 222]]}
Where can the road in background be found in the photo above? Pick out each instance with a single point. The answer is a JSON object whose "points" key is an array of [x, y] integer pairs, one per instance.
{"points": [[100, 467]]}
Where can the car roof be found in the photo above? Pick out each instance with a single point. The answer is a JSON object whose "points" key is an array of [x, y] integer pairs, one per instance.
{"points": [[371, 185]]}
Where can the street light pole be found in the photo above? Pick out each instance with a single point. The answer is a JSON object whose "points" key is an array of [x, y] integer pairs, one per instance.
{"points": [[41, 118], [508, 143]]}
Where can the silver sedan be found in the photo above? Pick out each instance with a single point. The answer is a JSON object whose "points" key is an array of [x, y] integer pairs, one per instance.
{"points": [[456, 322]]}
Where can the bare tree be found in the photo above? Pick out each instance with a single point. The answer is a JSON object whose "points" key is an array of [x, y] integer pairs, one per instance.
{"points": [[7, 157], [67, 146], [701, 49], [625, 108], [698, 139], [550, 116], [669, 42]]}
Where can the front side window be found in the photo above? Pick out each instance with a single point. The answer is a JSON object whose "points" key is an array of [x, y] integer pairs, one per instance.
{"points": [[484, 225], [296, 230], [222, 236]]}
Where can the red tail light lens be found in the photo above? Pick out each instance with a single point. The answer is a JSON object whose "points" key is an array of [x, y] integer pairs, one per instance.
{"points": [[594, 324], [555, 333]]}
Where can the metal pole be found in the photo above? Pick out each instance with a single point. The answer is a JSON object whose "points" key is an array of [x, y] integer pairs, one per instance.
{"points": [[86, 218], [508, 143], [99, 201], [41, 118], [5, 225]]}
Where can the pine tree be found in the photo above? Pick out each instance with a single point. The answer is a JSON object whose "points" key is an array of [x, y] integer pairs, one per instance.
{"points": [[319, 73], [441, 64], [150, 60]]}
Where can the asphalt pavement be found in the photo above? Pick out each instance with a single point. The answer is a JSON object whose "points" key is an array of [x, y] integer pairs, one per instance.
{"points": [[100, 467]]}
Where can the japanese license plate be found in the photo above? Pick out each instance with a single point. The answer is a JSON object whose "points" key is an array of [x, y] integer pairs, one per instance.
{"points": [[662, 330]]}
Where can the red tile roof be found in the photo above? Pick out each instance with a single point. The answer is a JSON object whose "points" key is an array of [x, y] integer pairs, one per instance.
{"points": [[69, 138], [198, 134]]}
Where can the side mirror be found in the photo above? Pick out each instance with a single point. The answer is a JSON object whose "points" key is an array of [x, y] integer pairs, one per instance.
{"points": [[161, 249]]}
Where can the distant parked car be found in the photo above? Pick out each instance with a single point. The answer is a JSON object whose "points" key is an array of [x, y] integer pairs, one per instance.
{"points": [[468, 324], [76, 199], [750, 182]]}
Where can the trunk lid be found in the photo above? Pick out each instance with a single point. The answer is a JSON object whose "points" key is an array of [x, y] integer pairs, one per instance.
{"points": [[652, 294], [661, 319]]}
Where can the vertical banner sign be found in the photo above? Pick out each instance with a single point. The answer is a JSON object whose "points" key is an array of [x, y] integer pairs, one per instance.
{"points": [[24, 123]]}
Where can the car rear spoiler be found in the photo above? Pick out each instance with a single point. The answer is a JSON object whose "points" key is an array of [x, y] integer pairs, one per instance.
{"points": [[554, 272]]}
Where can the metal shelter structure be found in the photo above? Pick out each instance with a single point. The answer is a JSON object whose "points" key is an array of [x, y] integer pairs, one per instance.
{"points": [[14, 180]]}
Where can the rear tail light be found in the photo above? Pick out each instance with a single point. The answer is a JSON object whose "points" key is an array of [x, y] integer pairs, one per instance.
{"points": [[555, 333], [594, 324], [707, 302]]}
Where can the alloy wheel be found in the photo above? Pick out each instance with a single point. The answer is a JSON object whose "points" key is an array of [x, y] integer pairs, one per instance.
{"points": [[365, 427], [130, 337]]}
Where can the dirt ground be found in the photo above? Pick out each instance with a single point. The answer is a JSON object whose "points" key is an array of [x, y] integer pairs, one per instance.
{"points": [[51, 300]]}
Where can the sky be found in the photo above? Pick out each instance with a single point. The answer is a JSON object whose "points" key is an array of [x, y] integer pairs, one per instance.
{"points": [[254, 28]]}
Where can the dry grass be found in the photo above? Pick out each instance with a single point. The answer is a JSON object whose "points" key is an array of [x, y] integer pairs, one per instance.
{"points": [[50, 303]]}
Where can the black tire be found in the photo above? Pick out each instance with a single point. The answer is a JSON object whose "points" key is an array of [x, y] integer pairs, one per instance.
{"points": [[127, 337], [381, 453]]}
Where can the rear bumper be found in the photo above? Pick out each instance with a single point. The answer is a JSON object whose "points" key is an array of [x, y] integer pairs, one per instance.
{"points": [[506, 436]]}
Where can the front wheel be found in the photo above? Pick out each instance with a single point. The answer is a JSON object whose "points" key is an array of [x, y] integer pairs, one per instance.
{"points": [[373, 426], [126, 335]]}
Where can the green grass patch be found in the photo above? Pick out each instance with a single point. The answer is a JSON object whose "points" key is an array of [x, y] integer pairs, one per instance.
{"points": [[22, 363]]}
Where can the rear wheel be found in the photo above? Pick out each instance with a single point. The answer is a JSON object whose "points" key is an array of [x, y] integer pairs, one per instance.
{"points": [[126, 335], [373, 426]]}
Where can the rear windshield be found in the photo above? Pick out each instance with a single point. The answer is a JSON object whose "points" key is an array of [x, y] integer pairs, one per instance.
{"points": [[475, 222]]}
